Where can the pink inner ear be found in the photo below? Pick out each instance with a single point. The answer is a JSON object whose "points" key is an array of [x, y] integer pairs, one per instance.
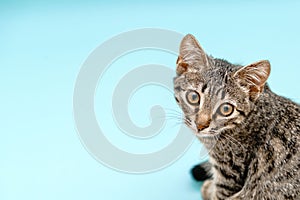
{"points": [[255, 75], [181, 66], [179, 60]]}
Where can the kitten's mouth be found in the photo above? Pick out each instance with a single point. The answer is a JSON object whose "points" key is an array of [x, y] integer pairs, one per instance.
{"points": [[206, 134]]}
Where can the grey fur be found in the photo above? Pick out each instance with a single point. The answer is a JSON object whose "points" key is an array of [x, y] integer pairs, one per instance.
{"points": [[254, 152]]}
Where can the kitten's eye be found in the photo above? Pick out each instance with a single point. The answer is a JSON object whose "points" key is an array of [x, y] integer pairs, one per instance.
{"points": [[193, 97], [226, 109], [176, 99]]}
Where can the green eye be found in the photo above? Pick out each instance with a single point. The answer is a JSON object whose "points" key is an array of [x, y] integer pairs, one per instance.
{"points": [[226, 109], [193, 97]]}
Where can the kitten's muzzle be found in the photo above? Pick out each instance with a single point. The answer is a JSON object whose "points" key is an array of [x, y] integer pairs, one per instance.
{"points": [[202, 126], [202, 121]]}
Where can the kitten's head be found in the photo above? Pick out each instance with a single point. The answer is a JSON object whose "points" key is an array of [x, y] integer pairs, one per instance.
{"points": [[214, 94]]}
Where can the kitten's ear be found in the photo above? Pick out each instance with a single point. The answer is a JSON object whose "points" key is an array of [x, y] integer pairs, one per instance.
{"points": [[253, 77], [190, 54]]}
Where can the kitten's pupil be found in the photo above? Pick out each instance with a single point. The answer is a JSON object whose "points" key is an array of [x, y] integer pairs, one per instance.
{"points": [[226, 108], [194, 97]]}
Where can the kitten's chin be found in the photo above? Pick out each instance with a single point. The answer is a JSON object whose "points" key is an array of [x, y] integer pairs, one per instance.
{"points": [[208, 139], [206, 133]]}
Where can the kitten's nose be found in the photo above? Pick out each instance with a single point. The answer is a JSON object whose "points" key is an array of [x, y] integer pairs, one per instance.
{"points": [[201, 126], [203, 121]]}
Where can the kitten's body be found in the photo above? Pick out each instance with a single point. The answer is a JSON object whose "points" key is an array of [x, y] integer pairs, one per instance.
{"points": [[254, 151]]}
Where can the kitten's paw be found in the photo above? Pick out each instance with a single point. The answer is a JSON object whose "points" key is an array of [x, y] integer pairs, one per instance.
{"points": [[206, 190], [202, 171]]}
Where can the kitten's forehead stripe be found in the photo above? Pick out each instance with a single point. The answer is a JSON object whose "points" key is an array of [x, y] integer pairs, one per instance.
{"points": [[226, 78], [219, 90], [223, 95], [210, 87]]}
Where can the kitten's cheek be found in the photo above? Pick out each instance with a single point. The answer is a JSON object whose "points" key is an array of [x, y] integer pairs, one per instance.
{"points": [[239, 120], [226, 127]]}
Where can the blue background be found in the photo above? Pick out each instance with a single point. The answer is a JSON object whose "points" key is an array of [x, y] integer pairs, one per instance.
{"points": [[42, 47]]}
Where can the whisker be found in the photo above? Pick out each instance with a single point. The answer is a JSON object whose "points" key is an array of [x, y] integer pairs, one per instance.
{"points": [[173, 110], [230, 138], [177, 124], [170, 116]]}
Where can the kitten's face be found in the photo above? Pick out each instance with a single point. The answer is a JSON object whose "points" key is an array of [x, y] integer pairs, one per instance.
{"points": [[211, 101], [214, 94]]}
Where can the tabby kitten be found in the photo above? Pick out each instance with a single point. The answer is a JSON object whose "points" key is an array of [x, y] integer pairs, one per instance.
{"points": [[252, 134]]}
